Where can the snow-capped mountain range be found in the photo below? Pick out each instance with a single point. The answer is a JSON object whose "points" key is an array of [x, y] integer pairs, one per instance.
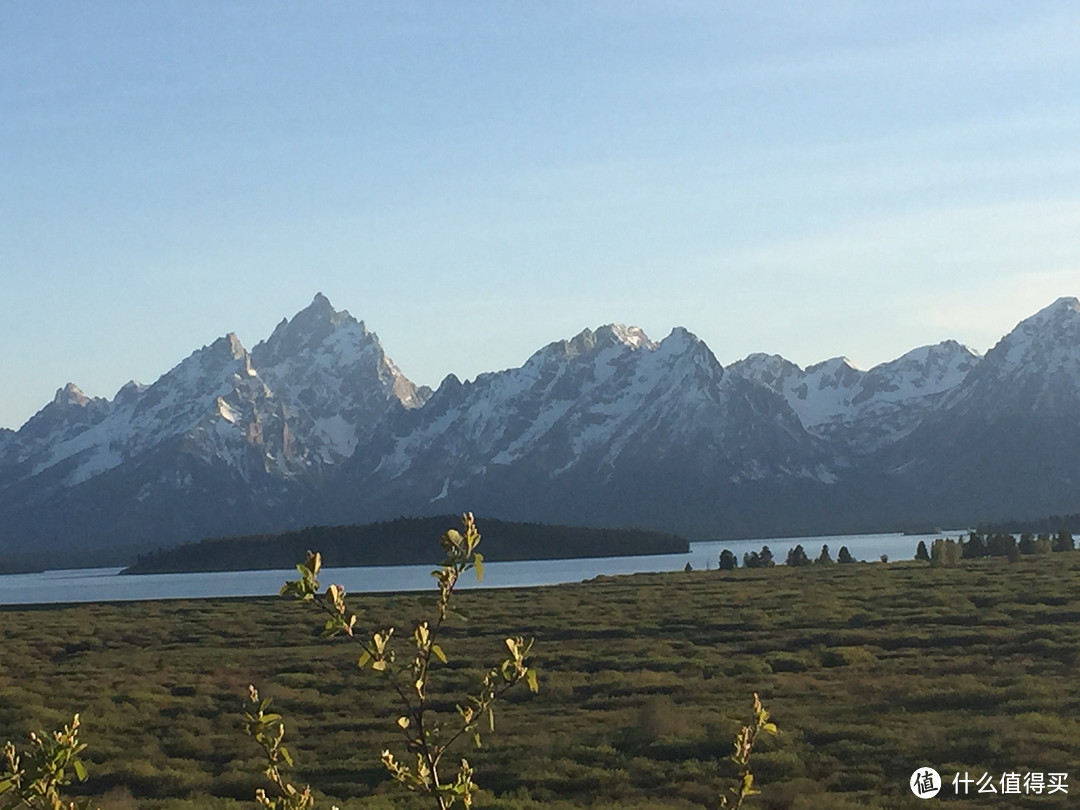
{"points": [[316, 424], [864, 410]]}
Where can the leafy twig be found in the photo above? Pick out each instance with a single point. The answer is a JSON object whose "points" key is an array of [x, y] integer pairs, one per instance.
{"points": [[35, 778], [745, 741], [423, 737]]}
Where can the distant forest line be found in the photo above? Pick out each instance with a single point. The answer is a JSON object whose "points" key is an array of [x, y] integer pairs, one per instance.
{"points": [[405, 541], [1046, 525]]}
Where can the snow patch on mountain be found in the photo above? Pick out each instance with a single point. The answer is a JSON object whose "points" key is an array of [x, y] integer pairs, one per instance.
{"points": [[1047, 341], [1036, 366], [865, 410], [582, 404], [608, 415], [502, 416], [338, 435], [325, 382]]}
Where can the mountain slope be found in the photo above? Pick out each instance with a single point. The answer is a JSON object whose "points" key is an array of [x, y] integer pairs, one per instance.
{"points": [[864, 411], [210, 447], [608, 428], [1006, 442]]}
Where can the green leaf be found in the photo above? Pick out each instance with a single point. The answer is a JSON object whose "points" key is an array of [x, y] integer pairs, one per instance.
{"points": [[365, 656], [80, 769], [748, 785], [770, 728], [285, 755], [534, 687], [437, 651], [478, 561]]}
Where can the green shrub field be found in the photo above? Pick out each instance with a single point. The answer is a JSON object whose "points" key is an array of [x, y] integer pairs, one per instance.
{"points": [[869, 671]]}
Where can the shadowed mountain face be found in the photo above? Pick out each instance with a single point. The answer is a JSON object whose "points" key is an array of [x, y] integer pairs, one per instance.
{"points": [[864, 411], [1006, 442], [225, 440], [317, 425], [608, 428]]}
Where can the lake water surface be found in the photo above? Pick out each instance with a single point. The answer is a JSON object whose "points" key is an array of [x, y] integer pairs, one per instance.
{"points": [[106, 584]]}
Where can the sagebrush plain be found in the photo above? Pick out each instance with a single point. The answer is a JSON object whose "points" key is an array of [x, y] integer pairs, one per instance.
{"points": [[869, 670]]}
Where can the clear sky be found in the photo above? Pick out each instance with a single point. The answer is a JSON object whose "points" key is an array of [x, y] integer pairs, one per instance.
{"points": [[477, 179]]}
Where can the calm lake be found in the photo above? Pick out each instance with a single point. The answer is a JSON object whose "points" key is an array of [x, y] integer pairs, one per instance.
{"points": [[106, 584]]}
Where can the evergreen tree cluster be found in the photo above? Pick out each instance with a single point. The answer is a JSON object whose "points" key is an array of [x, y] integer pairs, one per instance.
{"points": [[762, 559], [978, 544], [728, 561], [1047, 525], [796, 556], [404, 541]]}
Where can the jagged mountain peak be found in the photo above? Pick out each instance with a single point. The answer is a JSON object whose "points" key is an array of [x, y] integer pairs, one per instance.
{"points": [[864, 410], [334, 375], [322, 340], [770, 370], [1068, 306], [840, 365], [765, 357], [610, 335], [69, 408], [320, 309], [927, 358], [129, 392], [679, 339], [310, 328], [632, 336], [227, 352], [1035, 367], [1060, 319], [71, 394], [232, 343], [1048, 339], [321, 302], [952, 346]]}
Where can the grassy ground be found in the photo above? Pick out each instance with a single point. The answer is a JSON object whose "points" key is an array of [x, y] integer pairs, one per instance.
{"points": [[869, 670]]}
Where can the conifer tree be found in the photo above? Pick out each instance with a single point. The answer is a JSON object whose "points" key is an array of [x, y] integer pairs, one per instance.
{"points": [[797, 556], [1063, 541]]}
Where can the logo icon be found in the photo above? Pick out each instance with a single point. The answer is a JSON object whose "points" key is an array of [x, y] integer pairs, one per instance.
{"points": [[925, 783]]}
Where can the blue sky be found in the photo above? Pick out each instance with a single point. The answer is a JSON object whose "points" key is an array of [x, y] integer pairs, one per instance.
{"points": [[477, 179]]}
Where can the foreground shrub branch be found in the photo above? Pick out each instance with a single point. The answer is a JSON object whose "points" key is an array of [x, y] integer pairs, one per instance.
{"points": [[745, 741], [34, 778], [426, 741]]}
